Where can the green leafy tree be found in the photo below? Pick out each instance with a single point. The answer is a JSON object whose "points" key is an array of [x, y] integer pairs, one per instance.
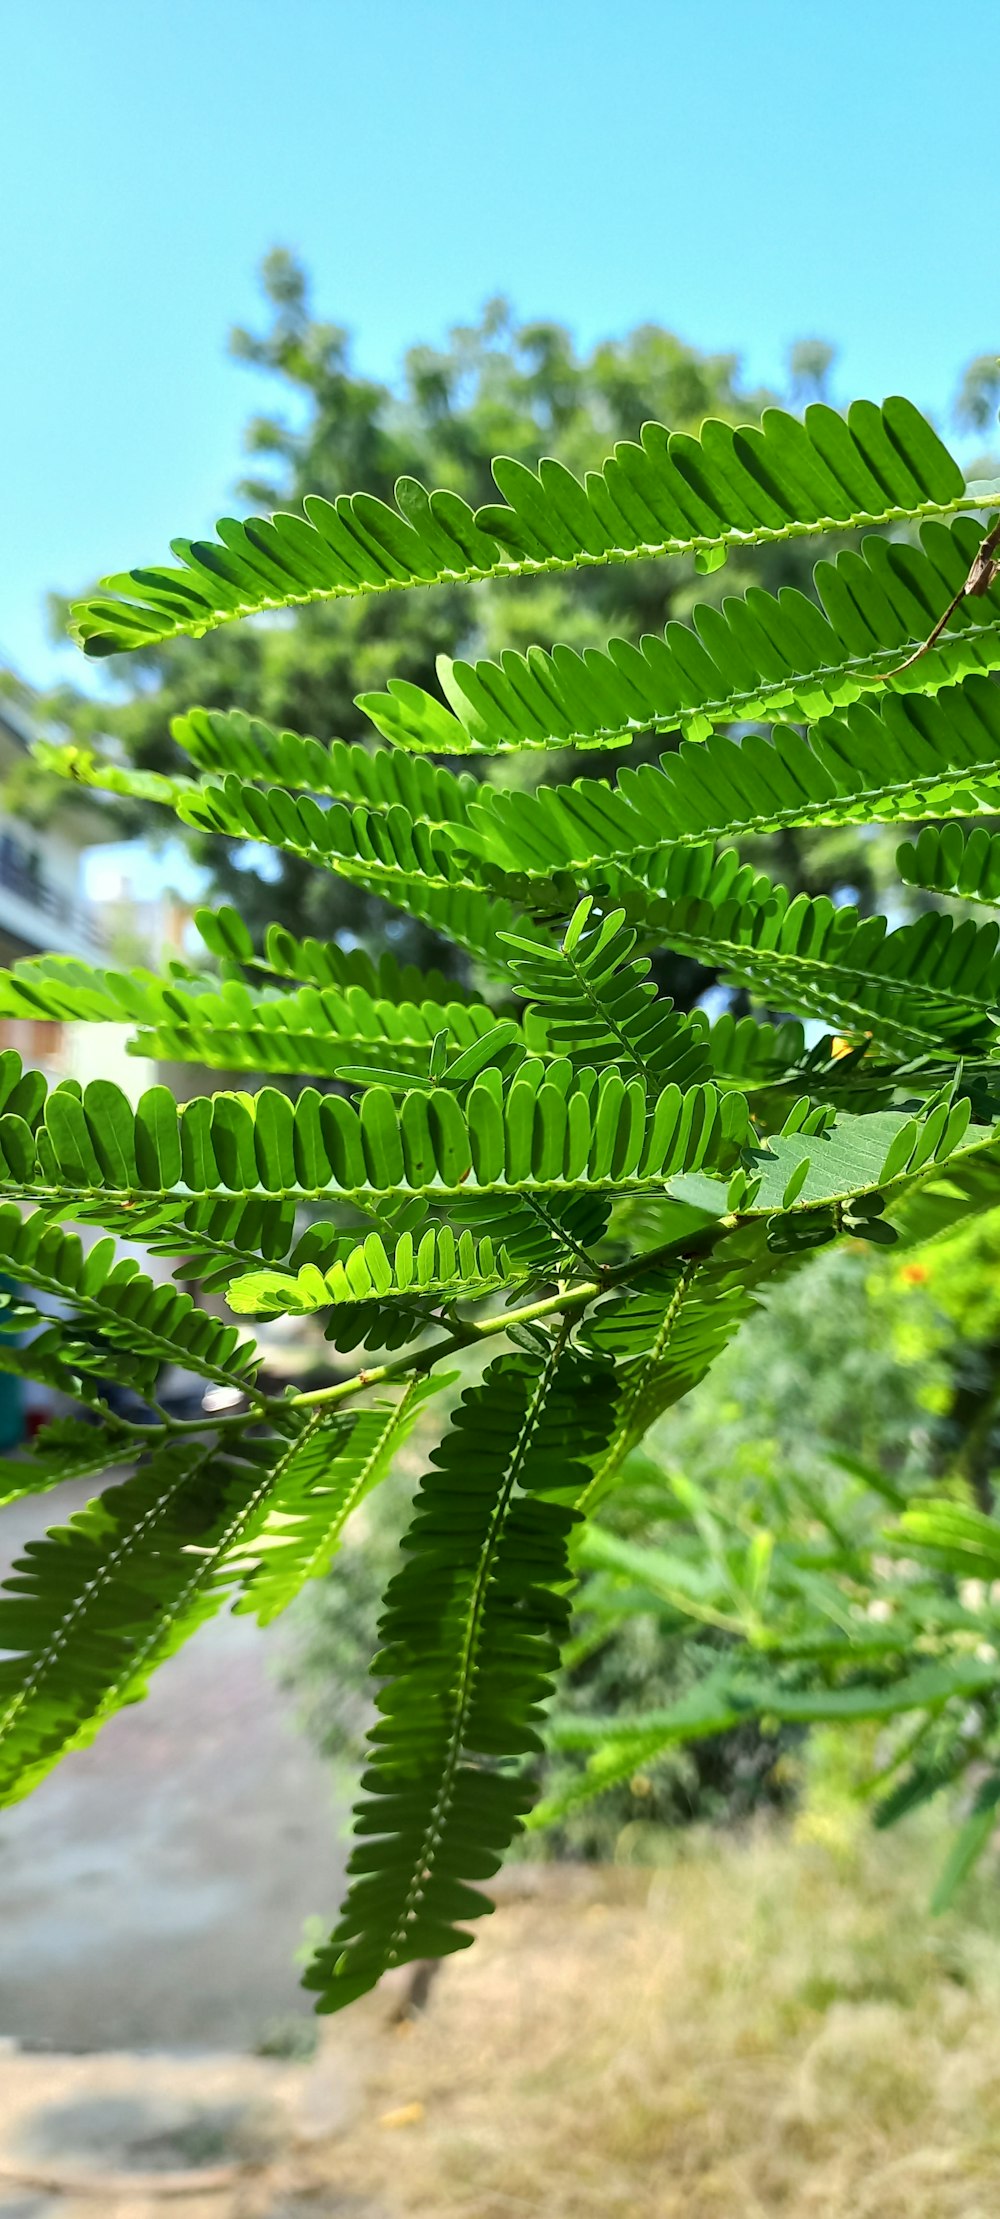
{"points": [[496, 385], [552, 1165]]}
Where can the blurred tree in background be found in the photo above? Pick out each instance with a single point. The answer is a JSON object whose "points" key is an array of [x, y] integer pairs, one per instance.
{"points": [[496, 387]]}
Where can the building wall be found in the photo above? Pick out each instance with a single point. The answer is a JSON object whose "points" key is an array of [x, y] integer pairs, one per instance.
{"points": [[41, 899]]}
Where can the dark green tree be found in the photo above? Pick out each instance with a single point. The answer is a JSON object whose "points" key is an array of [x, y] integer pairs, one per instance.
{"points": [[496, 386]]}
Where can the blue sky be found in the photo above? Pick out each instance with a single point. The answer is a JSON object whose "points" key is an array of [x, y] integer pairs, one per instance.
{"points": [[745, 172]]}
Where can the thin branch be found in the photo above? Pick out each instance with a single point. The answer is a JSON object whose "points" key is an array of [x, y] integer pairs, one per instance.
{"points": [[983, 573], [567, 1302]]}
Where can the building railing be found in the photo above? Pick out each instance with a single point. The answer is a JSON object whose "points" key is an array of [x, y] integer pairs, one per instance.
{"points": [[22, 874]]}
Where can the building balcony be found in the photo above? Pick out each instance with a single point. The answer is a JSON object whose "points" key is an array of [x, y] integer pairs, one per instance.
{"points": [[41, 907]]}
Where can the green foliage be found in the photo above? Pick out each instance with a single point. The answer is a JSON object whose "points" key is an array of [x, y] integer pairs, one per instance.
{"points": [[92, 1609], [158, 1324], [328, 1471], [901, 758], [491, 386], [667, 495], [743, 660], [592, 1003], [554, 1155], [953, 861], [438, 1265], [470, 1639], [782, 1567]]}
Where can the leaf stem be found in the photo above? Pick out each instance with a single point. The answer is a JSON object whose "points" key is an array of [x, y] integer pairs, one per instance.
{"points": [[567, 1302]]}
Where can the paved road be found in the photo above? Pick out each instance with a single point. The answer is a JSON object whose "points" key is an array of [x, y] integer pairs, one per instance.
{"points": [[153, 1890]]}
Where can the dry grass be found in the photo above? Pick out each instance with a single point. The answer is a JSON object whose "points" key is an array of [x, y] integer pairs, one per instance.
{"points": [[758, 2029], [771, 2029]]}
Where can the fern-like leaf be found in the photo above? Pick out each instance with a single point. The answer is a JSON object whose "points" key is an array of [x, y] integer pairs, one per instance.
{"points": [[925, 987], [131, 1312], [551, 1128], [92, 1608], [668, 494], [902, 758], [64, 1449], [334, 1464], [435, 1267], [666, 1334], [595, 1003], [471, 1635], [763, 656]]}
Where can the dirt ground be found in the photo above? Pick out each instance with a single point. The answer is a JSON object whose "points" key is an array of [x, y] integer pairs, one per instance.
{"points": [[765, 2028], [770, 2029]]}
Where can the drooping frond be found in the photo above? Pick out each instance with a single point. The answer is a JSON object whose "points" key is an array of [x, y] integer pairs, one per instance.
{"points": [[895, 759], [95, 1606], [470, 1638], [66, 1357], [665, 495], [129, 1310], [666, 1333], [63, 1449], [335, 1463], [850, 977], [90, 1609], [762, 656]]}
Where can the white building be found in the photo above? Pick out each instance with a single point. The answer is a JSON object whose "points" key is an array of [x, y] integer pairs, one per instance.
{"points": [[42, 904]]}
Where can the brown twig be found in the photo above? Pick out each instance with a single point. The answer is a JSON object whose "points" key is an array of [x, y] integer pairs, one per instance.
{"points": [[982, 575]]}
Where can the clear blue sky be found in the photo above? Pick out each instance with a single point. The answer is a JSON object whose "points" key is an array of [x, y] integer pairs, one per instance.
{"points": [[746, 172]]}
